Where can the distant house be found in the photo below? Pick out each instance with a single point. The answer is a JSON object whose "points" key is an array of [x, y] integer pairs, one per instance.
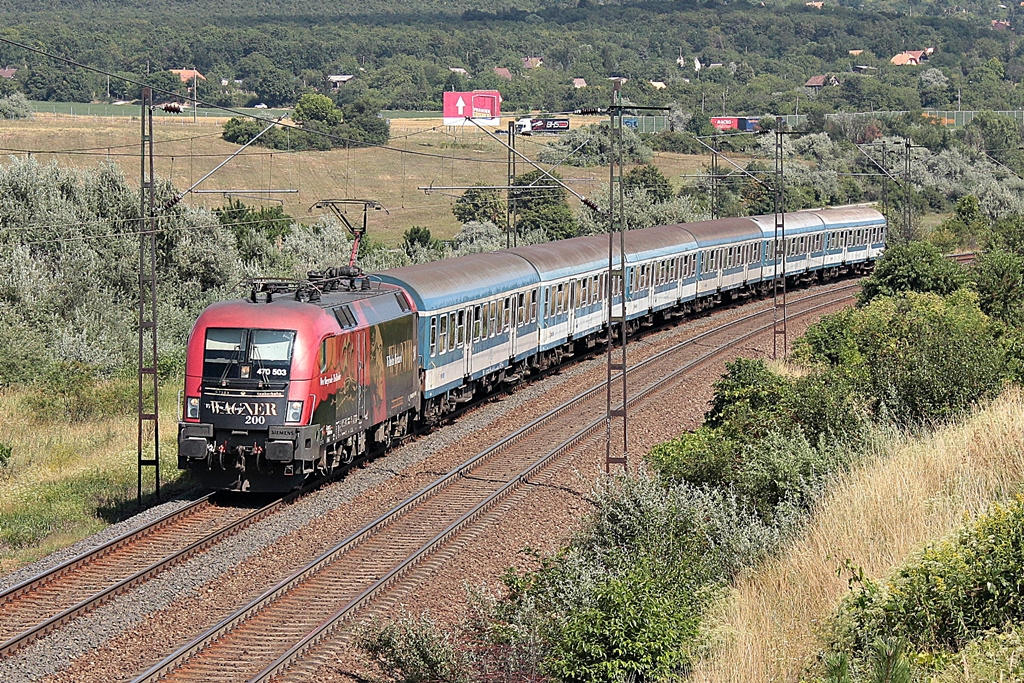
{"points": [[502, 72], [658, 85], [336, 81], [459, 70], [816, 83], [1000, 25], [618, 79], [863, 68], [8, 72], [579, 83], [532, 62], [815, 5], [911, 57], [855, 53], [187, 75]]}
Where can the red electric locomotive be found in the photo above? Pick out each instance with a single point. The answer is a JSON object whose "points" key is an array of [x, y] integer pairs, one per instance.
{"points": [[296, 379]]}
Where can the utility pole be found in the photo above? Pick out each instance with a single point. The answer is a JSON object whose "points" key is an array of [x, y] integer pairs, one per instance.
{"points": [[716, 181], [510, 203], [885, 179], [908, 197], [779, 245], [616, 223], [148, 403]]}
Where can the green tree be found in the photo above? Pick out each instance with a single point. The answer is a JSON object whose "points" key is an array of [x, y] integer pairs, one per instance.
{"points": [[541, 204], [481, 205], [313, 107], [650, 178]]}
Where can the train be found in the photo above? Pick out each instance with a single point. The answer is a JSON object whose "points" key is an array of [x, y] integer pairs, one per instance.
{"points": [[300, 378]]}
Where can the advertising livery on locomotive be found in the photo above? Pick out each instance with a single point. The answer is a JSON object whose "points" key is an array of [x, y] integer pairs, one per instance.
{"points": [[302, 377]]}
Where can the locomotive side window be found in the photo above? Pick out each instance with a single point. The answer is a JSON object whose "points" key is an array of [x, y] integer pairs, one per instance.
{"points": [[321, 356]]}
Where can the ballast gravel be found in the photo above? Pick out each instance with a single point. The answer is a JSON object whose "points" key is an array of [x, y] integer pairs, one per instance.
{"points": [[124, 637]]}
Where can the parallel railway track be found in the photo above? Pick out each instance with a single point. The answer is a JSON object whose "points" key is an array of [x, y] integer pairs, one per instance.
{"points": [[43, 603], [283, 633]]}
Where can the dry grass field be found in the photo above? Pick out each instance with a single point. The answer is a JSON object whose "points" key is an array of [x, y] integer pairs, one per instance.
{"points": [[422, 153], [916, 491]]}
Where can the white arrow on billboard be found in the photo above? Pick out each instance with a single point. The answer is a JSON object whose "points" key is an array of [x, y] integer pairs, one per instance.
{"points": [[460, 106]]}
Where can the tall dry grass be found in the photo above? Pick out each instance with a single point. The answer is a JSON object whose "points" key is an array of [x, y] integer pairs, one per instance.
{"points": [[916, 490], [66, 479]]}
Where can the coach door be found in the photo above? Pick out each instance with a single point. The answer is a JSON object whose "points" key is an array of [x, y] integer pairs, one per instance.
{"points": [[464, 336]]}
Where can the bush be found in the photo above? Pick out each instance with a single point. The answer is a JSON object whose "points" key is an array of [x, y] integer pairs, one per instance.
{"points": [[15, 106], [591, 146], [701, 457], [413, 651], [916, 357], [999, 280], [952, 593], [913, 267], [72, 392]]}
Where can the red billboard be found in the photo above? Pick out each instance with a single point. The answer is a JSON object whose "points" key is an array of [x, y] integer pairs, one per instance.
{"points": [[483, 106]]}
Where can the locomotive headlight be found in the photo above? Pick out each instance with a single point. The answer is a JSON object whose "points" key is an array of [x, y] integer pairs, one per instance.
{"points": [[192, 408], [294, 413]]}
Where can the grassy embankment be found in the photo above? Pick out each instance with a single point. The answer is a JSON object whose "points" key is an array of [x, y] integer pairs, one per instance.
{"points": [[67, 479], [434, 156], [917, 491]]}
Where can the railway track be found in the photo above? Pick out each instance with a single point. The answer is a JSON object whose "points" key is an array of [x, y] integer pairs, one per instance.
{"points": [[281, 633], [43, 603]]}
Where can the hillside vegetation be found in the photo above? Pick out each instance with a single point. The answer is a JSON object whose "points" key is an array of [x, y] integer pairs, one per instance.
{"points": [[755, 57]]}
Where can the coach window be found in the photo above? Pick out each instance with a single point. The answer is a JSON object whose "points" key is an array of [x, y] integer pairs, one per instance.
{"points": [[508, 314], [533, 305], [433, 336], [442, 344], [477, 323], [547, 302], [460, 328], [492, 314]]}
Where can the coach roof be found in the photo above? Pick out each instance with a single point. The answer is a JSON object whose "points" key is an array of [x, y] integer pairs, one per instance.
{"points": [[556, 260], [723, 230], [443, 284]]}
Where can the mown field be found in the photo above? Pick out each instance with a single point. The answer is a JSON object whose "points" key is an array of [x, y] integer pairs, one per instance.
{"points": [[422, 153]]}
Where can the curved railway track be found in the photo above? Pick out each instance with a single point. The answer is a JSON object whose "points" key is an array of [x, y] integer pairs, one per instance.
{"points": [[281, 633]]}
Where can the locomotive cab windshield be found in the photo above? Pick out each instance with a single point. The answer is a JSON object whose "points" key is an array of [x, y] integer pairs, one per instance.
{"points": [[242, 357]]}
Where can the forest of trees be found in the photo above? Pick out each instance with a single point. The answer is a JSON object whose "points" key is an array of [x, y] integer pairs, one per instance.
{"points": [[754, 59]]}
